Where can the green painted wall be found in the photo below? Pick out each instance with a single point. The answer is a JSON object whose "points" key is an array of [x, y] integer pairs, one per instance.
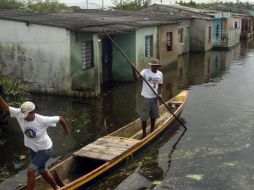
{"points": [[121, 70], [82, 79], [141, 60], [187, 39]]}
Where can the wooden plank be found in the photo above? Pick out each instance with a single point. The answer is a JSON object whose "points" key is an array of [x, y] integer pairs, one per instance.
{"points": [[120, 140], [95, 155], [103, 150], [106, 148], [175, 102], [110, 144]]}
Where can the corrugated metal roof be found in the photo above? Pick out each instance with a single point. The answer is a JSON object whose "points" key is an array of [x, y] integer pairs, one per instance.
{"points": [[92, 20]]}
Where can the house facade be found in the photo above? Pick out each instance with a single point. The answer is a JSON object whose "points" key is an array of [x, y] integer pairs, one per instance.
{"points": [[202, 34], [70, 56], [227, 29], [247, 27], [35, 54], [199, 27], [173, 40], [246, 16]]}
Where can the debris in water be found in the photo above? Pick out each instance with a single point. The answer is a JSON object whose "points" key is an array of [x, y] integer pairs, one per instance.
{"points": [[197, 177], [22, 157], [229, 164], [2, 142], [156, 182]]}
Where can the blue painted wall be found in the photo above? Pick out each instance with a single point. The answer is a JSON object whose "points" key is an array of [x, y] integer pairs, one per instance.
{"points": [[217, 28]]}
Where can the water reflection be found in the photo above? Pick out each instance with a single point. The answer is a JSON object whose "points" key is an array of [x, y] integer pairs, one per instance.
{"points": [[90, 119]]}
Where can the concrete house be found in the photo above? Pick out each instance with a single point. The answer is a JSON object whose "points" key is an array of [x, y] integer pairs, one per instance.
{"points": [[247, 28], [173, 40], [70, 54], [179, 36], [199, 27], [225, 33], [246, 17]]}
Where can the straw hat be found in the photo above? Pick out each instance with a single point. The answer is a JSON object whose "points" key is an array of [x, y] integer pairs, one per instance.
{"points": [[155, 62]]}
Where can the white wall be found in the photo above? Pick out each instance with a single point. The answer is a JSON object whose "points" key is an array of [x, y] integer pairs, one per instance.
{"points": [[38, 55]]}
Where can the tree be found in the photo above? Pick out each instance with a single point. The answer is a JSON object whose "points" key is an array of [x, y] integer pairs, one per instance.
{"points": [[45, 6], [11, 4], [14, 92], [218, 4], [33, 5], [131, 4]]}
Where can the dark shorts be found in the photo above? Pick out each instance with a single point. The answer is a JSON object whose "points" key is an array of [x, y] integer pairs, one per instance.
{"points": [[149, 109], [39, 159]]}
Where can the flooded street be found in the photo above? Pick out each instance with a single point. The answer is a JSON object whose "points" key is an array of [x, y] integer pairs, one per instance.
{"points": [[216, 152]]}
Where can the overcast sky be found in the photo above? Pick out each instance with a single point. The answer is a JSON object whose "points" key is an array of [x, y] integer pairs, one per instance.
{"points": [[98, 3]]}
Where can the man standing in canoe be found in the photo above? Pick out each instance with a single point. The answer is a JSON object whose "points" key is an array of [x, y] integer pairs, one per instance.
{"points": [[34, 128], [150, 103]]}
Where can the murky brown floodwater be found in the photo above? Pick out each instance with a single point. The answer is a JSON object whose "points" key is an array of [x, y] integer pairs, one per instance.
{"points": [[216, 152]]}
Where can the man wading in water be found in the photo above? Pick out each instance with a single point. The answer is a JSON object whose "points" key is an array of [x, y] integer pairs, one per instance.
{"points": [[34, 128], [150, 103]]}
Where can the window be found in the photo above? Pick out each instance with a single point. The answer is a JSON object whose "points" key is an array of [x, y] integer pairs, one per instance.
{"points": [[149, 46], [169, 44], [87, 54], [180, 34], [235, 24], [209, 34], [217, 31]]}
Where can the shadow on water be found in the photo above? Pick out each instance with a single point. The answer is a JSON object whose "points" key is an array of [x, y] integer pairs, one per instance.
{"points": [[205, 74]]}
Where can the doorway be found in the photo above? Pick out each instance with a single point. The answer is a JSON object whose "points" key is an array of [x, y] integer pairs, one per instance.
{"points": [[106, 61]]}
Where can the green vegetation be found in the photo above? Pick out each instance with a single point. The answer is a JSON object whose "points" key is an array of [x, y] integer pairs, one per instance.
{"points": [[46, 5], [14, 91], [11, 4], [34, 5], [216, 4], [131, 5]]}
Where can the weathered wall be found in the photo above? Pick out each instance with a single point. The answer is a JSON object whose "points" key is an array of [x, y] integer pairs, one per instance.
{"points": [[82, 79], [184, 47], [141, 60], [208, 43], [199, 35], [237, 31], [217, 29], [246, 28], [85, 82], [166, 57], [38, 55], [121, 70]]}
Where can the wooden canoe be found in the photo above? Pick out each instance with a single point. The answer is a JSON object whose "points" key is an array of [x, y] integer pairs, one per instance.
{"points": [[103, 155]]}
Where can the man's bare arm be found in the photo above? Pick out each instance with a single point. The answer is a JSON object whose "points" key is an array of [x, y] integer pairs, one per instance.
{"points": [[64, 126], [3, 104]]}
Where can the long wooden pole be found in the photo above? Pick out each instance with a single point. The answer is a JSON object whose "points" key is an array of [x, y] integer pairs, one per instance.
{"points": [[132, 65]]}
